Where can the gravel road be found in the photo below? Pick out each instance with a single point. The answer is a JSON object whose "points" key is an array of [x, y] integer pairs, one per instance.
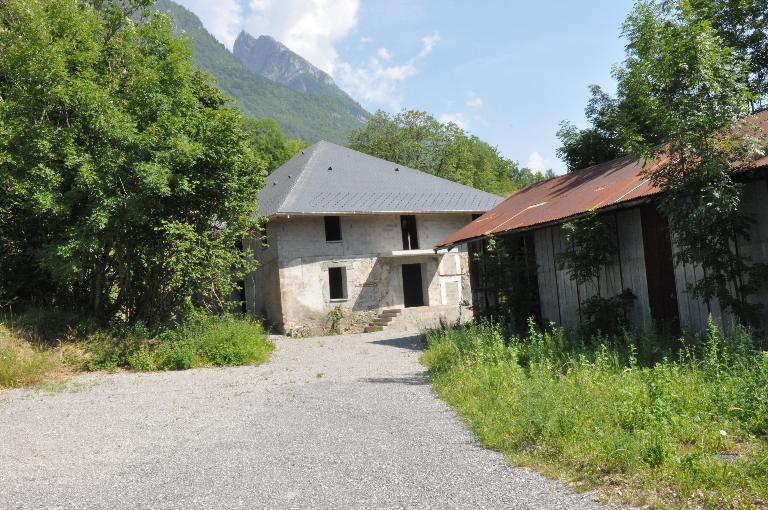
{"points": [[331, 422]]}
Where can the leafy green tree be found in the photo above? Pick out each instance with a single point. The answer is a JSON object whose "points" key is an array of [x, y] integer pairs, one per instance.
{"points": [[269, 141], [125, 180], [686, 80], [418, 140], [619, 124]]}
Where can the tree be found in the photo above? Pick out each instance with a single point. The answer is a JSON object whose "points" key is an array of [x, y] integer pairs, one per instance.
{"points": [[125, 180], [685, 79], [621, 123], [418, 140], [269, 141]]}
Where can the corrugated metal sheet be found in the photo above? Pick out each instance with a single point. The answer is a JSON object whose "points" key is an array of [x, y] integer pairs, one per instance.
{"points": [[599, 186], [604, 185], [329, 179]]}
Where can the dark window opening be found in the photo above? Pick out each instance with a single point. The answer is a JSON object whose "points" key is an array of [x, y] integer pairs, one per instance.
{"points": [[332, 228], [410, 235], [336, 283]]}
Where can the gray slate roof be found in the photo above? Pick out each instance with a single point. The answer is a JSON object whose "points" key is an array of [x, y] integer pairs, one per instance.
{"points": [[329, 179]]}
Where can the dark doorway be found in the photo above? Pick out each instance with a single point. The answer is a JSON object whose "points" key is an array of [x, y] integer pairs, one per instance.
{"points": [[413, 293], [659, 269], [410, 235]]}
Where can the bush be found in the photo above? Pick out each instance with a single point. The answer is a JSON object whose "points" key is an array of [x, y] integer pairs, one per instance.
{"points": [[208, 341], [605, 413], [67, 343]]}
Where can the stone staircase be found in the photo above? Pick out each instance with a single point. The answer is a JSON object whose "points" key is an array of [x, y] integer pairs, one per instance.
{"points": [[383, 320]]}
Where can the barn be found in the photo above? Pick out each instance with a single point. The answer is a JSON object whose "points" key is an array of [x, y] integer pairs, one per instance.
{"points": [[530, 224]]}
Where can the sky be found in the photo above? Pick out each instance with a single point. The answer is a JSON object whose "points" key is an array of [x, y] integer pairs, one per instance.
{"points": [[507, 71]]}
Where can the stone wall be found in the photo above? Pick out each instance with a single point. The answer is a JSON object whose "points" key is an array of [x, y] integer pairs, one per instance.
{"points": [[373, 279]]}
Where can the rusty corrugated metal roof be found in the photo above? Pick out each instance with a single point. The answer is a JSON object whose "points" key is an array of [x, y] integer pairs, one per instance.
{"points": [[607, 184]]}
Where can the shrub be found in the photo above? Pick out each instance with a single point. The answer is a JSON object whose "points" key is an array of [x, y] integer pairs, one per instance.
{"points": [[68, 343]]}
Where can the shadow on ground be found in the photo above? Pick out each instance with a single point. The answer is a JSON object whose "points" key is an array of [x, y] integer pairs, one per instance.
{"points": [[410, 380], [413, 343]]}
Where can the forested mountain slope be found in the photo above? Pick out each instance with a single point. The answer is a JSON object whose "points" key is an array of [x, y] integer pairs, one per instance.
{"points": [[310, 117]]}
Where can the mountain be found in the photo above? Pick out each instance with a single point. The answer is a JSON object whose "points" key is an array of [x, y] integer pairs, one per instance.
{"points": [[273, 60], [304, 115]]}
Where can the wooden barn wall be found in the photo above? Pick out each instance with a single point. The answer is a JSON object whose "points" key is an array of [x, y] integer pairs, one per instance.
{"points": [[561, 298], [694, 312]]}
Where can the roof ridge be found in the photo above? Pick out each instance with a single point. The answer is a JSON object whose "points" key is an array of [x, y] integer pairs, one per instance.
{"points": [[314, 148]]}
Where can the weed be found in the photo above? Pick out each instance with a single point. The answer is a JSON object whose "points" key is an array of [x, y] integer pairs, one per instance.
{"points": [[64, 344], [673, 427]]}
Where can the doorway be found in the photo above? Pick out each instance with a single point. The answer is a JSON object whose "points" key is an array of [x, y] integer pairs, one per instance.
{"points": [[413, 291], [659, 270]]}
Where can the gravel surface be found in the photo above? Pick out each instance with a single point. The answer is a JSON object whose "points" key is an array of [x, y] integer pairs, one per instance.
{"points": [[332, 422]]}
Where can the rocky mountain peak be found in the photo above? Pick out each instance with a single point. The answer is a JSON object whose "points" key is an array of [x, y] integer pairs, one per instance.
{"points": [[273, 60]]}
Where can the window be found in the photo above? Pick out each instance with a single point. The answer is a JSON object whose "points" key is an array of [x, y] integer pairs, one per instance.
{"points": [[332, 229], [337, 280], [410, 236]]}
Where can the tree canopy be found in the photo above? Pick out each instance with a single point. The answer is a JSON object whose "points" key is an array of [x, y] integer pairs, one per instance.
{"points": [[269, 141], [618, 125], [418, 140], [693, 87], [125, 179]]}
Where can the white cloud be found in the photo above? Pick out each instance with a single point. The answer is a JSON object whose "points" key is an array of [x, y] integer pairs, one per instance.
{"points": [[384, 55], [536, 162], [379, 79], [223, 18], [308, 27], [474, 102], [375, 81], [428, 43], [457, 118]]}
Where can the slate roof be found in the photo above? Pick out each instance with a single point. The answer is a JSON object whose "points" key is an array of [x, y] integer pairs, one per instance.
{"points": [[329, 179], [608, 184]]}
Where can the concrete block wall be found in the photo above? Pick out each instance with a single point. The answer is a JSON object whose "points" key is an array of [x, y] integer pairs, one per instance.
{"points": [[262, 287], [373, 282]]}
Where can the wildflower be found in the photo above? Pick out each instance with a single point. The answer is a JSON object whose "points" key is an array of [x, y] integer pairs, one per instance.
{"points": [[723, 433]]}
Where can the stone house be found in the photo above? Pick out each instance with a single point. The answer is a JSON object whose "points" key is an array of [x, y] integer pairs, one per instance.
{"points": [[357, 232]]}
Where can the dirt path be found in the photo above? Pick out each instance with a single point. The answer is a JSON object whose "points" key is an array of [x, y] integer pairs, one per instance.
{"points": [[331, 422]]}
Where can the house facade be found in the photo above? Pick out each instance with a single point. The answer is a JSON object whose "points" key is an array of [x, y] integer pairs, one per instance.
{"points": [[530, 224], [355, 234]]}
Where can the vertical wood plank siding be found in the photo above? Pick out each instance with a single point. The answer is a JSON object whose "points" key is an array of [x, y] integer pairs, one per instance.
{"points": [[694, 312], [561, 298]]}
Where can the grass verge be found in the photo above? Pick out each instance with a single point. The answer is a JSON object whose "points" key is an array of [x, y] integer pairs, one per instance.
{"points": [[687, 431], [38, 346]]}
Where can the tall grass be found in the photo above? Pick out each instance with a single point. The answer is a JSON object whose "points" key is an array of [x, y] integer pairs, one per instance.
{"points": [[21, 364], [37, 344], [686, 430]]}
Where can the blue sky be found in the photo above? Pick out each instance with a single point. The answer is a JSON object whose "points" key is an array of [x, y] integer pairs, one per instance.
{"points": [[506, 71]]}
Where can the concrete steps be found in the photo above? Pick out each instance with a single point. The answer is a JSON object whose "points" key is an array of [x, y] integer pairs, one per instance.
{"points": [[383, 320]]}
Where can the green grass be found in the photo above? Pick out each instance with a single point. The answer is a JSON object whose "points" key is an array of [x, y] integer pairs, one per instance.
{"points": [[38, 345], [21, 364], [685, 431]]}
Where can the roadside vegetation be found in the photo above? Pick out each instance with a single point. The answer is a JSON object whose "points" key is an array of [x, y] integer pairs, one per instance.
{"points": [[38, 347], [674, 423]]}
